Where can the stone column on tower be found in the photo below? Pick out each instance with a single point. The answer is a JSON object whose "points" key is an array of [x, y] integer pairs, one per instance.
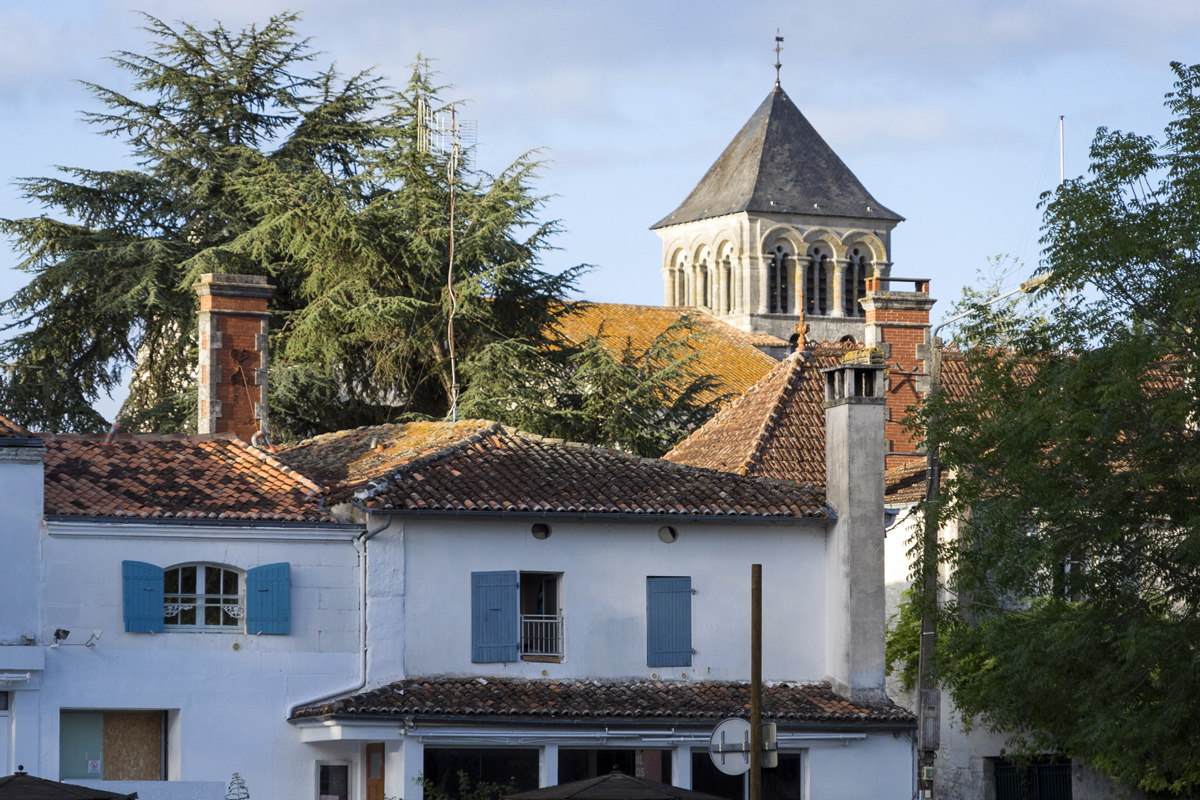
{"points": [[838, 289]]}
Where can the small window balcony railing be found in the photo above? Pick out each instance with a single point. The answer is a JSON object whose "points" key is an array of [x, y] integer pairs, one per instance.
{"points": [[208, 611], [541, 635]]}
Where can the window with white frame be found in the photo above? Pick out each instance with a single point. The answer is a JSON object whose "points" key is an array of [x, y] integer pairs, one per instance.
{"points": [[206, 597], [202, 597], [541, 614]]}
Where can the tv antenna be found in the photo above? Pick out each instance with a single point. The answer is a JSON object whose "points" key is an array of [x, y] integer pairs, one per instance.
{"points": [[443, 132]]}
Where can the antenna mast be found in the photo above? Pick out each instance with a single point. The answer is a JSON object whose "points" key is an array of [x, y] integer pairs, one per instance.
{"points": [[778, 48], [445, 132], [1062, 174]]}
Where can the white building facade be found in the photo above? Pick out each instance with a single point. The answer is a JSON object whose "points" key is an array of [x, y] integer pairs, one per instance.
{"points": [[524, 610], [542, 632], [159, 654]]}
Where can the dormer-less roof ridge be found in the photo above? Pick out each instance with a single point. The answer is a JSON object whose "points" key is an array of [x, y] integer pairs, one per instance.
{"points": [[779, 164], [428, 460], [502, 469]]}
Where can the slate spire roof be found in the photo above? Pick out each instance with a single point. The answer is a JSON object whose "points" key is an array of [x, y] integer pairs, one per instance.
{"points": [[778, 163]]}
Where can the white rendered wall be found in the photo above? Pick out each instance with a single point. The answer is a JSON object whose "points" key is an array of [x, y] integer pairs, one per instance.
{"points": [[227, 708], [20, 521], [879, 767], [897, 579], [604, 567], [855, 559]]}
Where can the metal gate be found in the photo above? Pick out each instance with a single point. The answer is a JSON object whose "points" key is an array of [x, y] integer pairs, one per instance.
{"points": [[1045, 780]]}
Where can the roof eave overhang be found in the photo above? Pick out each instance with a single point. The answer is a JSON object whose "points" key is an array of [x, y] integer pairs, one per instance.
{"points": [[579, 516], [10, 441], [80, 525], [615, 727]]}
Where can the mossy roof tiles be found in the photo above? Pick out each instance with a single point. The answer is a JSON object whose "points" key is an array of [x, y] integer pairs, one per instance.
{"points": [[343, 461], [497, 469], [728, 354]]}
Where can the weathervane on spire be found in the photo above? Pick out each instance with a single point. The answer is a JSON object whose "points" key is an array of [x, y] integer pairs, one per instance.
{"points": [[778, 48]]}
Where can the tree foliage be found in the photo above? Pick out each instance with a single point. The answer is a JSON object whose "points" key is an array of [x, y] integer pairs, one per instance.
{"points": [[111, 277], [642, 400], [248, 160], [464, 788], [1075, 474]]}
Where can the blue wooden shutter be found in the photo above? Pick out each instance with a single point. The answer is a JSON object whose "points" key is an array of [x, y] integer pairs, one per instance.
{"points": [[668, 622], [495, 617], [143, 591], [269, 599]]}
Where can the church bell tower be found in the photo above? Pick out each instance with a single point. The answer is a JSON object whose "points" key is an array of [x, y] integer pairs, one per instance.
{"points": [[778, 232]]}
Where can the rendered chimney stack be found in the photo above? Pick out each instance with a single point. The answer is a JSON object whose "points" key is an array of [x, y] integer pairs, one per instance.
{"points": [[897, 322], [233, 354], [855, 603]]}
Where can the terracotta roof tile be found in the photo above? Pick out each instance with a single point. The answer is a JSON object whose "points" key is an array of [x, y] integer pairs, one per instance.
{"points": [[482, 466], [776, 429], [905, 484], [196, 477], [604, 700], [344, 460], [11, 430], [729, 354]]}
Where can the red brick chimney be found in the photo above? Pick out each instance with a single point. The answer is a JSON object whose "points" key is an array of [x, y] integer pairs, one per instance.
{"points": [[897, 322], [233, 354]]}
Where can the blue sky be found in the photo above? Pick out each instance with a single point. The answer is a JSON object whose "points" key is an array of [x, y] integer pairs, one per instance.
{"points": [[947, 110]]}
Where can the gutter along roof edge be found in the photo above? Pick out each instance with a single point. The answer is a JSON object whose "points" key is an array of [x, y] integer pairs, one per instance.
{"points": [[601, 515]]}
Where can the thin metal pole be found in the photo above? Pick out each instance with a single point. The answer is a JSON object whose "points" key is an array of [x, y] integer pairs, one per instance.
{"points": [[928, 704], [756, 744], [1062, 173]]}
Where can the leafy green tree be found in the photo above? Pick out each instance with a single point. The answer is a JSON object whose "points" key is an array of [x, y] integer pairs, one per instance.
{"points": [[1075, 466], [111, 277], [641, 400], [248, 161]]}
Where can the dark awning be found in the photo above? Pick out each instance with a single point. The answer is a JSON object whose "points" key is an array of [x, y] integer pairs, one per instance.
{"points": [[613, 786], [23, 786]]}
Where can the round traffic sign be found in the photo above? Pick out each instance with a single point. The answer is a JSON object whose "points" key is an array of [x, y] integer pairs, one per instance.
{"points": [[729, 746]]}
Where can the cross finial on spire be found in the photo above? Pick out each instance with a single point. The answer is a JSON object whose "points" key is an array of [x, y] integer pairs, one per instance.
{"points": [[778, 48]]}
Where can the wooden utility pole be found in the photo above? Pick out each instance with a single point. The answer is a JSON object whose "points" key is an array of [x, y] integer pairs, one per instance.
{"points": [[756, 739]]}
